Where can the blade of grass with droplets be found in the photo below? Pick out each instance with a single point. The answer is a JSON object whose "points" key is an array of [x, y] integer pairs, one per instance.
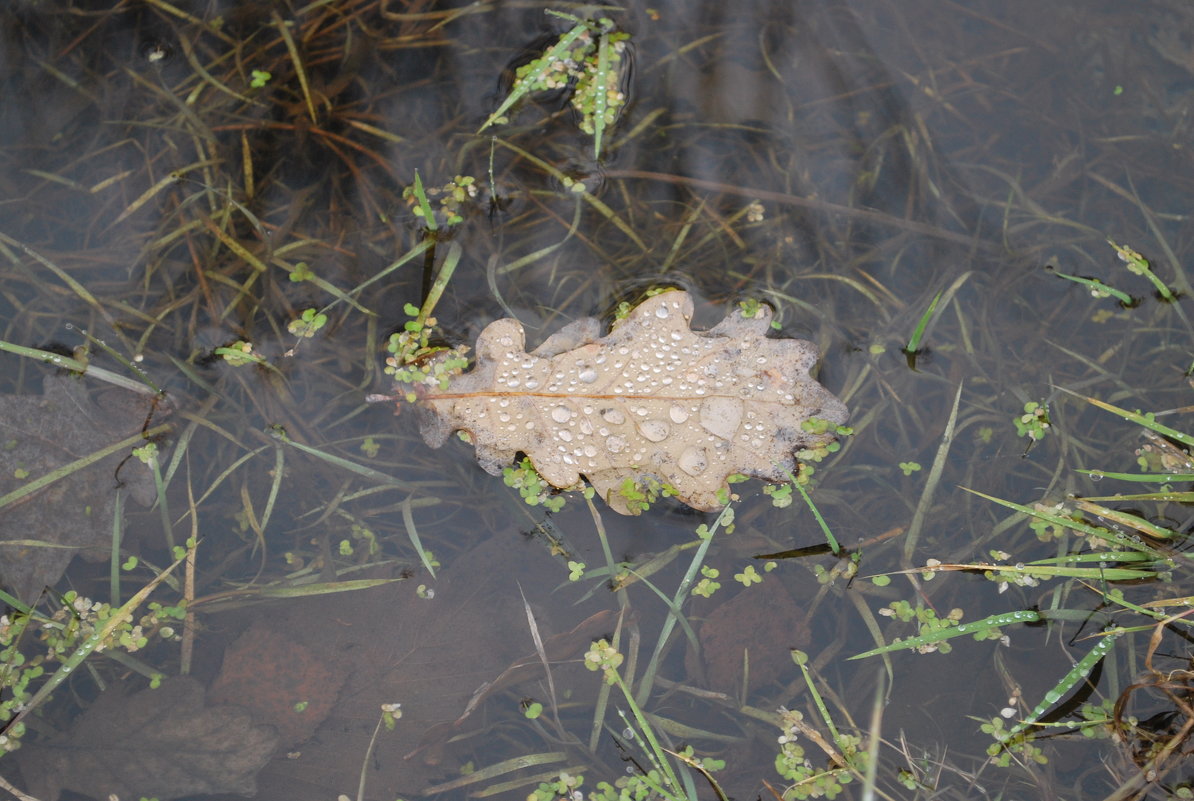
{"points": [[74, 365], [961, 630], [1162, 478], [536, 70], [1098, 287], [601, 96], [1047, 571], [1129, 520], [1070, 680], [1147, 420], [1107, 535], [1173, 497]]}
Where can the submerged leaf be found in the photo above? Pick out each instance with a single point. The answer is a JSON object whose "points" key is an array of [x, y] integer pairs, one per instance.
{"points": [[652, 399], [44, 529], [163, 743]]}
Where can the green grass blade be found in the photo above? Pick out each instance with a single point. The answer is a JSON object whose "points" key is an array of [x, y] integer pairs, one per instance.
{"points": [[1139, 265], [665, 632], [424, 204], [1070, 523], [919, 332], [441, 282], [829, 538], [1129, 520], [1145, 420]]}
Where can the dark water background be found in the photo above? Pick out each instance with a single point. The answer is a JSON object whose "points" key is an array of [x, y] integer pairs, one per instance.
{"points": [[898, 150]]}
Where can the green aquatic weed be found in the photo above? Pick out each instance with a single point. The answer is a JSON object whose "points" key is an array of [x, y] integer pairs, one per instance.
{"points": [[308, 323], [1034, 423], [586, 61]]}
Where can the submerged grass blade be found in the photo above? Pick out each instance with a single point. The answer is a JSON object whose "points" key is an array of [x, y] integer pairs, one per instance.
{"points": [[408, 520], [931, 481], [499, 769], [300, 71], [345, 464], [78, 464], [648, 679]]}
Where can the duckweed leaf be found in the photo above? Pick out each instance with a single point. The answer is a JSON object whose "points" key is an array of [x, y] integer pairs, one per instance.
{"points": [[651, 402]]}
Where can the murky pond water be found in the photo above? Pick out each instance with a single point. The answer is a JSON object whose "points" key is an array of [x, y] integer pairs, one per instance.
{"points": [[183, 181]]}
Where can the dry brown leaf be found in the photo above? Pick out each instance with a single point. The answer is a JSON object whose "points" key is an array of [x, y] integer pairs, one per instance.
{"points": [[651, 399]]}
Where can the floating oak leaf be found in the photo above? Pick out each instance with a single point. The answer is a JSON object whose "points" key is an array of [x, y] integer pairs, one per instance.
{"points": [[652, 399], [162, 743]]}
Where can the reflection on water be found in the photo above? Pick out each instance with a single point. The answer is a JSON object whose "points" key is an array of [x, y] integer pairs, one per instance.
{"points": [[180, 179]]}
